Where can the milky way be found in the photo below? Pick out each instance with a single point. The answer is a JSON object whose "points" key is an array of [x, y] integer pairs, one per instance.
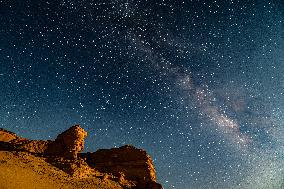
{"points": [[198, 84]]}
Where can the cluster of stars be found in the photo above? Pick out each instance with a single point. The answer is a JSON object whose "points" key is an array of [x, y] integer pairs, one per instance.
{"points": [[198, 84]]}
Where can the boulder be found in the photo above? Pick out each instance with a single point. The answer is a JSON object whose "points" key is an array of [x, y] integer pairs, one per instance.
{"points": [[69, 143]]}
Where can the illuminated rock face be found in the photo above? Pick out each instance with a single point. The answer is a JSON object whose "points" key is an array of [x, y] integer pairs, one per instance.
{"points": [[69, 143], [132, 167], [10, 141], [7, 136], [134, 164]]}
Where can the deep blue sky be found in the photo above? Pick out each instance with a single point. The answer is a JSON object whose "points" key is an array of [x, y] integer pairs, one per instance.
{"points": [[198, 84]]}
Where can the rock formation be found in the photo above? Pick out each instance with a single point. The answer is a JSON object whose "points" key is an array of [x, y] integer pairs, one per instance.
{"points": [[69, 143], [7, 136], [134, 164], [127, 165]]}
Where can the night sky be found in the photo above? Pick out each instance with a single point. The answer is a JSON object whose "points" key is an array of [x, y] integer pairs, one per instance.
{"points": [[198, 84]]}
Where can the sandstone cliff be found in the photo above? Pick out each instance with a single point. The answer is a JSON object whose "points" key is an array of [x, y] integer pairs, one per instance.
{"points": [[127, 166], [127, 161]]}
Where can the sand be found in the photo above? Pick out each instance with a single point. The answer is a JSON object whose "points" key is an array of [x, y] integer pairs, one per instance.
{"points": [[21, 170]]}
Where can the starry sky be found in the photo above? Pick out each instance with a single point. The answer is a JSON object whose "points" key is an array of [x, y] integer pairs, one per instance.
{"points": [[198, 84]]}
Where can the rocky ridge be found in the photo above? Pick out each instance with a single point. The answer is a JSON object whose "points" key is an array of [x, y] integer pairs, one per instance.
{"points": [[128, 166]]}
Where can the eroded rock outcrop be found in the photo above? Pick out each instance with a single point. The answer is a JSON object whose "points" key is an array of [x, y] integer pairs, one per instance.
{"points": [[129, 166], [7, 136], [10, 141], [128, 162], [69, 143], [32, 146]]}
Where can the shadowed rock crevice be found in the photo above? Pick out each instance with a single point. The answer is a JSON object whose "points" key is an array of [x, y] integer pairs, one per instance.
{"points": [[129, 166]]}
